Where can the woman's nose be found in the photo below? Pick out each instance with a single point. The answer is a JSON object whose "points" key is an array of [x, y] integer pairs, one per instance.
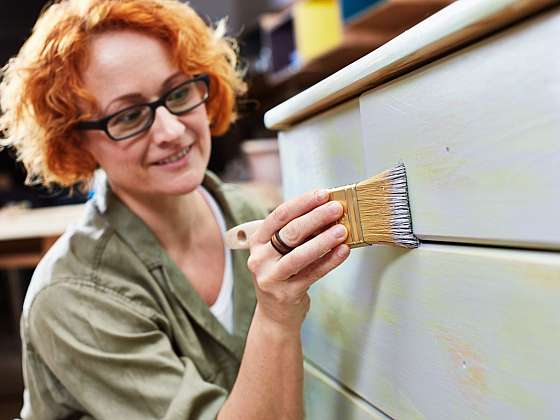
{"points": [[166, 127]]}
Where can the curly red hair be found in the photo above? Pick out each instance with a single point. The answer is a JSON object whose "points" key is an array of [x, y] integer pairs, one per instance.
{"points": [[42, 85]]}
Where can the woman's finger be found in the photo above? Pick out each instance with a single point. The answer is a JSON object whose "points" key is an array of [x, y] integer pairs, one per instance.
{"points": [[308, 252], [298, 285], [322, 266], [308, 225], [288, 211]]}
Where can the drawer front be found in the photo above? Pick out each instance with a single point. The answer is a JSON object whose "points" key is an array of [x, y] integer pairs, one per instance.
{"points": [[325, 399], [479, 132], [442, 332]]}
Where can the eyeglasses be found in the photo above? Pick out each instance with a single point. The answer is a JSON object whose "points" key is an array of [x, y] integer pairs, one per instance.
{"points": [[136, 119]]}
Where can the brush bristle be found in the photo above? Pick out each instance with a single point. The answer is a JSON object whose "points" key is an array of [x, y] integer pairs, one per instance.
{"points": [[384, 209]]}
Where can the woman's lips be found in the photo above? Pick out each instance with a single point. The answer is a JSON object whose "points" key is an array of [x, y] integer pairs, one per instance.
{"points": [[175, 157]]}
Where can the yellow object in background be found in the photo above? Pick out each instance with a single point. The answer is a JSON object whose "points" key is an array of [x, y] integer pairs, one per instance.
{"points": [[318, 27]]}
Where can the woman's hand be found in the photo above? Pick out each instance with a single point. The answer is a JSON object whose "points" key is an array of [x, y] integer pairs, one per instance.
{"points": [[305, 223]]}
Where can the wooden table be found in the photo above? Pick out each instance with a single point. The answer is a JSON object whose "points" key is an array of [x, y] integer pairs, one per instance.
{"points": [[25, 235]]}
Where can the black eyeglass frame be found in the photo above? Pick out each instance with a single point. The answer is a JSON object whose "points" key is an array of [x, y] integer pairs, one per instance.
{"points": [[102, 124]]}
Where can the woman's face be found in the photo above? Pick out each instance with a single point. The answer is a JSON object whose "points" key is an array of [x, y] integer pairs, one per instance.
{"points": [[127, 68]]}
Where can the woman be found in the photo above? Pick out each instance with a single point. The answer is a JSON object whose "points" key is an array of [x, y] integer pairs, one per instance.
{"points": [[138, 311]]}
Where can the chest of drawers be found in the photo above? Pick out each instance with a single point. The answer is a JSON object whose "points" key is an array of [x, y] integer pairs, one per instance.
{"points": [[467, 326]]}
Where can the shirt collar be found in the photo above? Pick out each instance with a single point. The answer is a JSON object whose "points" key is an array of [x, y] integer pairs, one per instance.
{"points": [[126, 224]]}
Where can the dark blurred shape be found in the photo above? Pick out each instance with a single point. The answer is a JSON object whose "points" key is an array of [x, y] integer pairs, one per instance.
{"points": [[13, 190], [16, 22]]}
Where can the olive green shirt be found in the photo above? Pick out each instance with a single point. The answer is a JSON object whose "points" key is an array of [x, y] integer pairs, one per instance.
{"points": [[112, 329]]}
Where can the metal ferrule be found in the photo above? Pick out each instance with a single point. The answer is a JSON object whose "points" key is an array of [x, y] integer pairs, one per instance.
{"points": [[348, 197]]}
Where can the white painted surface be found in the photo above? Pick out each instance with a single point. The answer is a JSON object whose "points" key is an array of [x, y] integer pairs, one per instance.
{"points": [[452, 26], [448, 331], [479, 133], [325, 399], [439, 332], [442, 332], [323, 152]]}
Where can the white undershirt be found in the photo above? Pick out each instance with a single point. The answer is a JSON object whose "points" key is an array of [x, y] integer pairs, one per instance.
{"points": [[223, 306]]}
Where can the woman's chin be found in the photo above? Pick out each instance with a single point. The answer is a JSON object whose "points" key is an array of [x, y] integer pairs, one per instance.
{"points": [[183, 184], [160, 183]]}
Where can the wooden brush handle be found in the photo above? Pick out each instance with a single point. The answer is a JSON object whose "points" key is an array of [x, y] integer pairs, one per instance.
{"points": [[238, 237]]}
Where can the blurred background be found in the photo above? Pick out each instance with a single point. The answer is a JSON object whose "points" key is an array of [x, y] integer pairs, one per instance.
{"points": [[285, 45]]}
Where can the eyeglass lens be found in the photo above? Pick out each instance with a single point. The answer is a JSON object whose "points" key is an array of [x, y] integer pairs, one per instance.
{"points": [[180, 100]]}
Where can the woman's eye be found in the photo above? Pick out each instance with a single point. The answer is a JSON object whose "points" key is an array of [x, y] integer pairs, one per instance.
{"points": [[128, 117], [180, 94]]}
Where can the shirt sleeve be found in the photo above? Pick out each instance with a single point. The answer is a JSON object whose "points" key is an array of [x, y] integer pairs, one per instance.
{"points": [[110, 355]]}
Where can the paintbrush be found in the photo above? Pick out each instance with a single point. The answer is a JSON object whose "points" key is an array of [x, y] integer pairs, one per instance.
{"points": [[376, 211]]}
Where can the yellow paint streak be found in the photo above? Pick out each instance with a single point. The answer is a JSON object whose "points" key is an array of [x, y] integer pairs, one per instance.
{"points": [[408, 409], [438, 166], [345, 145], [337, 316], [467, 367], [516, 395], [544, 277], [389, 317]]}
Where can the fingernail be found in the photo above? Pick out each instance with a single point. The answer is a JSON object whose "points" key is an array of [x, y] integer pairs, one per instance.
{"points": [[334, 207], [342, 250], [339, 231], [322, 195]]}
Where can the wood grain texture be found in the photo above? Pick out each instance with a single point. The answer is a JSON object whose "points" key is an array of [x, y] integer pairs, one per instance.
{"points": [[41, 222], [479, 134], [325, 399], [454, 26], [394, 15]]}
